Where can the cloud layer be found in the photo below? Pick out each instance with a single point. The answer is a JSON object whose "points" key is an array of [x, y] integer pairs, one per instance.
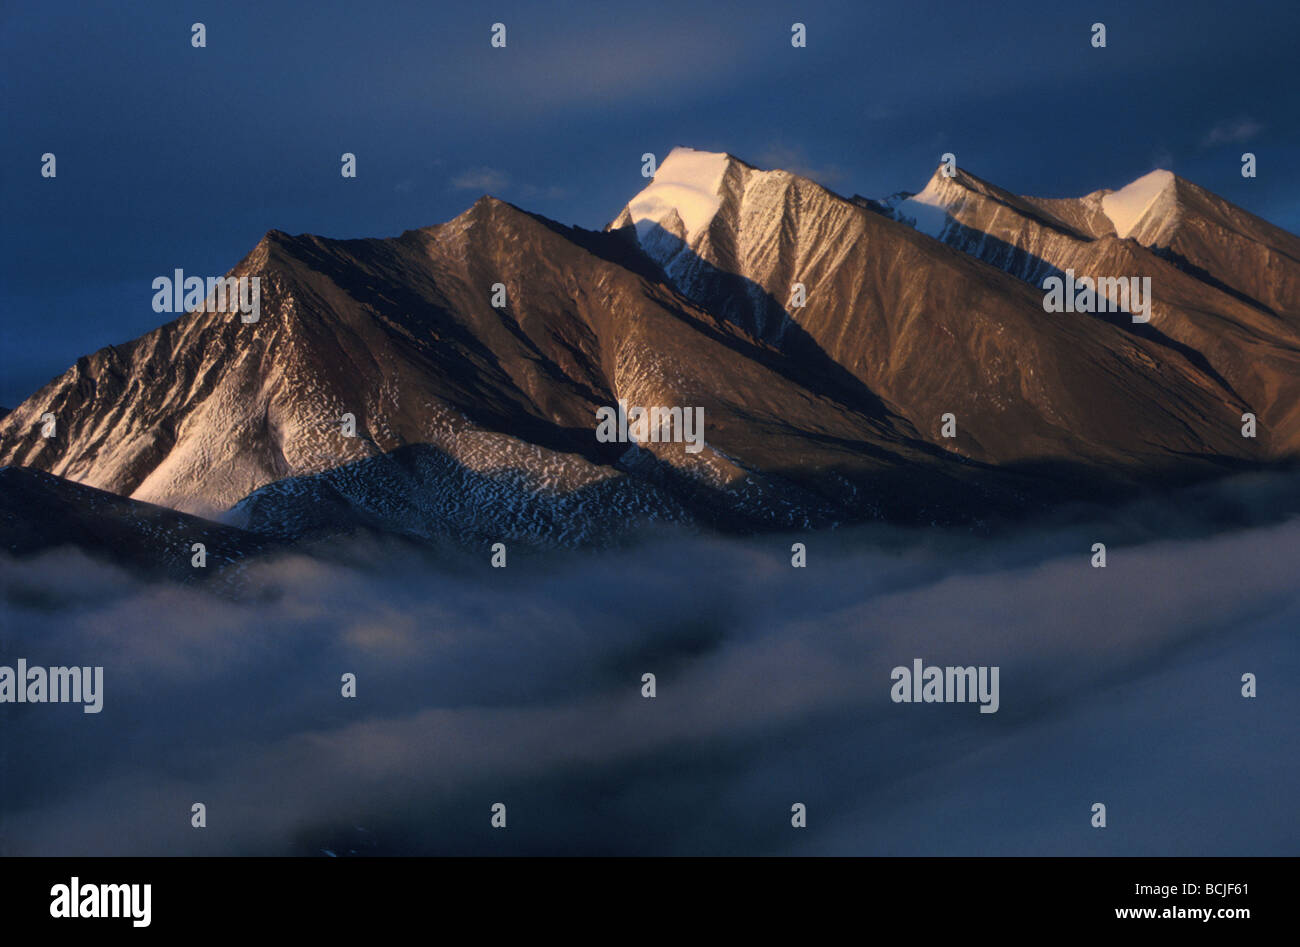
{"points": [[475, 686]]}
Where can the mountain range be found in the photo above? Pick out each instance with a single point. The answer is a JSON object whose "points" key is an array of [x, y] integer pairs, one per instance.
{"points": [[833, 343]]}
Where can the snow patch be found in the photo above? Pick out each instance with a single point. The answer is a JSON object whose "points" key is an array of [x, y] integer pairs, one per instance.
{"points": [[1127, 206], [928, 210], [689, 183]]}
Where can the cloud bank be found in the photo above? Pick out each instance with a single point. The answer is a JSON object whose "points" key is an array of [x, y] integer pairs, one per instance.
{"points": [[523, 686]]}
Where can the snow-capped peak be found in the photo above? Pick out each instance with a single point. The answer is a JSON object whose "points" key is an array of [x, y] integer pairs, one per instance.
{"points": [[688, 184], [1127, 206], [928, 210]]}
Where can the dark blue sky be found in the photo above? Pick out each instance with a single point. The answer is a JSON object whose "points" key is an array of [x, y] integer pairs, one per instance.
{"points": [[170, 156]]}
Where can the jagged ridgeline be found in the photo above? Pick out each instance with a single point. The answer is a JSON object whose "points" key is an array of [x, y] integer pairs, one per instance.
{"points": [[853, 360]]}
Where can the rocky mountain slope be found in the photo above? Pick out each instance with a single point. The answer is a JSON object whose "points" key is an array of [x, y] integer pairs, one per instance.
{"points": [[825, 338], [39, 511]]}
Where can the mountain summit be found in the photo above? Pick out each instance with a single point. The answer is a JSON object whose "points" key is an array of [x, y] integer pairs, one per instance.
{"points": [[1151, 197], [828, 341]]}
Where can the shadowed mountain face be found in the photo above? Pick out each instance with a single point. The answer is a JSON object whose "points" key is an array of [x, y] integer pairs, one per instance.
{"points": [[824, 338], [39, 512]]}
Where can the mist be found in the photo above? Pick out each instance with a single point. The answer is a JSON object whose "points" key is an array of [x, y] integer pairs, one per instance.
{"points": [[1120, 685]]}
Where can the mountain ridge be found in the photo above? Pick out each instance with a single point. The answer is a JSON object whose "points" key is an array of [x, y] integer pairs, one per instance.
{"points": [[810, 408]]}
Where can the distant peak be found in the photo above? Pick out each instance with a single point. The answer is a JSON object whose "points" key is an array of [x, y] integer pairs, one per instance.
{"points": [[691, 187], [928, 210], [1159, 176], [273, 238], [679, 152], [484, 204], [486, 207], [1127, 206], [942, 180], [687, 184]]}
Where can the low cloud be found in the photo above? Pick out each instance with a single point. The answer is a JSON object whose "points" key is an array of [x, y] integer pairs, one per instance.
{"points": [[794, 159], [1118, 685], [492, 181], [1237, 130], [487, 180]]}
